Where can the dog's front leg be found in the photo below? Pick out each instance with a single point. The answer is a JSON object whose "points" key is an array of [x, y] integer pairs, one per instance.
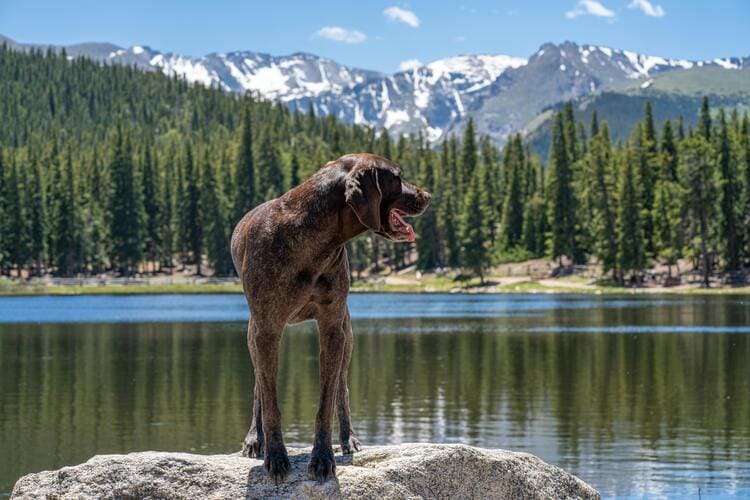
{"points": [[332, 338], [266, 337]]}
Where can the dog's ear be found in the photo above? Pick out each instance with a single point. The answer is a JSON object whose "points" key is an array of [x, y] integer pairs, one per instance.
{"points": [[364, 196]]}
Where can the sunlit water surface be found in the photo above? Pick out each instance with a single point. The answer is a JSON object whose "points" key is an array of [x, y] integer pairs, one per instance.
{"points": [[636, 395]]}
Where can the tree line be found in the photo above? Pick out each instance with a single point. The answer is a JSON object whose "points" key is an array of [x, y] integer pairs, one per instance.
{"points": [[106, 168]]}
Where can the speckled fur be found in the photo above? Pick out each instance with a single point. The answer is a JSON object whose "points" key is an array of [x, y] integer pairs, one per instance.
{"points": [[289, 253]]}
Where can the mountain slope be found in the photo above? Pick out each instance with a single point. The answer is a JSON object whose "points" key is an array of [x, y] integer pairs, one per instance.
{"points": [[504, 94], [672, 95]]}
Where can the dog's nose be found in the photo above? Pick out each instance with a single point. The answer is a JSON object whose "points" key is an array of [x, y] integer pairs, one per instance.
{"points": [[426, 196]]}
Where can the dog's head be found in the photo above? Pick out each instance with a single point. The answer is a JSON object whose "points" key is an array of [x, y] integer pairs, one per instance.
{"points": [[380, 198]]}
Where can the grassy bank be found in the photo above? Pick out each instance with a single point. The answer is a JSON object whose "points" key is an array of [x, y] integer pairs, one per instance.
{"points": [[405, 283]]}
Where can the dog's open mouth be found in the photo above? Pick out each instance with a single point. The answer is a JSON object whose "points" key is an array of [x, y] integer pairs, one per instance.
{"points": [[402, 230]]}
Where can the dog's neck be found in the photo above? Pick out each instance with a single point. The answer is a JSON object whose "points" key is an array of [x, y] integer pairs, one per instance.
{"points": [[321, 201]]}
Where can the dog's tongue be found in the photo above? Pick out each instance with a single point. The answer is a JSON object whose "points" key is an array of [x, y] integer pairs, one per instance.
{"points": [[405, 227]]}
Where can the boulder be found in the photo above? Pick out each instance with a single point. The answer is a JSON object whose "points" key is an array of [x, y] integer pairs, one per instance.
{"points": [[403, 471]]}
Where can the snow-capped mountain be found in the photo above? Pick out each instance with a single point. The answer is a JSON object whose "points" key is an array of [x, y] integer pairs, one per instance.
{"points": [[503, 93]]}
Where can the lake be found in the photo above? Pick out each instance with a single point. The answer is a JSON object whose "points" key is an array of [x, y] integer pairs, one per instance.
{"points": [[637, 395]]}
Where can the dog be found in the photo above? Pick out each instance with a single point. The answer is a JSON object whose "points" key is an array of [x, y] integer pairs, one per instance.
{"points": [[290, 255]]}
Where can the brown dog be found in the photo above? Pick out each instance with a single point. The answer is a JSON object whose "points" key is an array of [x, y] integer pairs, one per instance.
{"points": [[290, 255]]}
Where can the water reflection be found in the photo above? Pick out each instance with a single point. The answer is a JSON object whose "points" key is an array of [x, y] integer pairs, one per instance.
{"points": [[589, 388]]}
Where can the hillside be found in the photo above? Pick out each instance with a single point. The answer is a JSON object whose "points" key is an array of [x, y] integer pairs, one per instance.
{"points": [[504, 94], [111, 169], [672, 94]]}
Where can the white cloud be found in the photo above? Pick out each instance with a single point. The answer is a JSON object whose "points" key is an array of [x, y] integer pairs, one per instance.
{"points": [[589, 7], [647, 7], [410, 64], [400, 15], [339, 34]]}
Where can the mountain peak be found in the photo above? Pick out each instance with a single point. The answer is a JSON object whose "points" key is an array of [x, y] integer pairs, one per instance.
{"points": [[505, 93]]}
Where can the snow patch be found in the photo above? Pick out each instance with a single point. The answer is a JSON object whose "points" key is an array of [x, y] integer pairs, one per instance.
{"points": [[421, 92], [479, 70], [434, 133], [359, 117], [267, 80], [584, 54], [393, 117], [607, 51], [562, 67], [138, 50], [726, 63], [193, 71], [459, 104]]}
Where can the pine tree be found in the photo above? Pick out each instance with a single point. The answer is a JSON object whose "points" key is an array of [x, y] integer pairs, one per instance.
{"points": [[384, 144], [427, 231], [668, 153], [697, 173], [37, 214], [561, 205], [468, 163], [474, 238], [95, 222], [648, 161], [535, 217], [448, 211], [680, 129], [270, 179], [124, 210], [512, 216], [602, 182], [3, 217], [704, 120], [492, 182], [213, 213], [168, 218], [730, 198], [668, 222], [744, 147], [569, 132], [244, 176], [594, 128], [192, 222], [631, 248], [64, 222], [14, 217], [294, 179], [151, 207]]}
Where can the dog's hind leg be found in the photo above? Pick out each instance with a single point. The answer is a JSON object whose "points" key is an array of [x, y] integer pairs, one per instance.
{"points": [[265, 337], [253, 445], [349, 441]]}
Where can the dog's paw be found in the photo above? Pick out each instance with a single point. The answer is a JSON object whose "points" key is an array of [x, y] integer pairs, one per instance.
{"points": [[252, 447], [351, 445], [277, 464], [322, 464]]}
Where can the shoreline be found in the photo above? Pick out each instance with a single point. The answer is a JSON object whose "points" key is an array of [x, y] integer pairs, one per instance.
{"points": [[514, 286]]}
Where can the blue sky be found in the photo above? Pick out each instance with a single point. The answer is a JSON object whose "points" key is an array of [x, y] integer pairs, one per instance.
{"points": [[382, 34]]}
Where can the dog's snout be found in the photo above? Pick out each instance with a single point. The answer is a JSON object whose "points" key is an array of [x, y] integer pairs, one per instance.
{"points": [[425, 196]]}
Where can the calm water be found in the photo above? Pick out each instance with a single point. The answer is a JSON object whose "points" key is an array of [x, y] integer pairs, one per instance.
{"points": [[636, 395]]}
